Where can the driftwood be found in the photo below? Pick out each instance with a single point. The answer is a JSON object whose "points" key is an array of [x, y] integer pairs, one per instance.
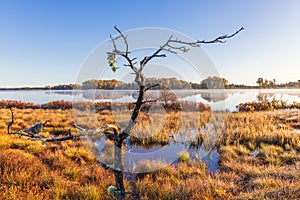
{"points": [[34, 131]]}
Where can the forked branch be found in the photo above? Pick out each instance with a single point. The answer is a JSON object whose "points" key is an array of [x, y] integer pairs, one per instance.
{"points": [[171, 45]]}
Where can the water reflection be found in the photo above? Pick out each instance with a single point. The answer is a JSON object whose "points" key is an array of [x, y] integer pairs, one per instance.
{"points": [[217, 99], [214, 97], [200, 144]]}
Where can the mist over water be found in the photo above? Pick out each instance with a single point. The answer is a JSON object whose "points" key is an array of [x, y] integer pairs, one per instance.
{"points": [[217, 99]]}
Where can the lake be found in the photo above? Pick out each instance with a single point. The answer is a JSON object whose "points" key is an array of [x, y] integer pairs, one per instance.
{"points": [[217, 99]]}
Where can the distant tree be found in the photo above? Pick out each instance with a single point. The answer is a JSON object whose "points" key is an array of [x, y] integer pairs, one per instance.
{"points": [[260, 82], [168, 98], [225, 82], [90, 84], [214, 83], [266, 83]]}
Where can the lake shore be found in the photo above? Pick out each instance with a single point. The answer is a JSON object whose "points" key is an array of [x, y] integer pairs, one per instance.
{"points": [[217, 99], [230, 88]]}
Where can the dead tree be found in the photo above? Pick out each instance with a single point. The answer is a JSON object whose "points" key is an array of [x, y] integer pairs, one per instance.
{"points": [[110, 131]]}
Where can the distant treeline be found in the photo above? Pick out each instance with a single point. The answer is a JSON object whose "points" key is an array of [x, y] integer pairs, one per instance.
{"points": [[212, 82], [265, 83], [57, 87]]}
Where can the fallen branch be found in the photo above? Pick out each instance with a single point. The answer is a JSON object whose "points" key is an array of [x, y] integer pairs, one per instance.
{"points": [[34, 131]]}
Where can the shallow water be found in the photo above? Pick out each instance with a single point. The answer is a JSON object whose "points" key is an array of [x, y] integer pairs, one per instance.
{"points": [[297, 130], [166, 154], [254, 153], [212, 161]]}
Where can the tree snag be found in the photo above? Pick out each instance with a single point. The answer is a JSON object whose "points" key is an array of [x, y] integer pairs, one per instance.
{"points": [[110, 131]]}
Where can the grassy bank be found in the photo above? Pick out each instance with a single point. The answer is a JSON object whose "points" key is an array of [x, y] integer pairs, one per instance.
{"points": [[259, 158]]}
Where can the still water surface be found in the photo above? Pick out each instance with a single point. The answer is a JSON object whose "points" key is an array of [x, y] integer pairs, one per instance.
{"points": [[217, 99]]}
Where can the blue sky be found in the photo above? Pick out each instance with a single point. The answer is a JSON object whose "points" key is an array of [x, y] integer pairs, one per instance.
{"points": [[45, 42]]}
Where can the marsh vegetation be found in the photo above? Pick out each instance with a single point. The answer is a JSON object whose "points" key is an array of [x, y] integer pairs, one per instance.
{"points": [[259, 158]]}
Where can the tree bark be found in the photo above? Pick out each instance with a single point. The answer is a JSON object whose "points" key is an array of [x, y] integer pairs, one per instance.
{"points": [[118, 140], [125, 133], [118, 169]]}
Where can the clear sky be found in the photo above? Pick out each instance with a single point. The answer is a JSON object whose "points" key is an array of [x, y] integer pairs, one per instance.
{"points": [[45, 42]]}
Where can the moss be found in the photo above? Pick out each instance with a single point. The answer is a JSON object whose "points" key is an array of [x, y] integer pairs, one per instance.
{"points": [[111, 190], [183, 156], [251, 145]]}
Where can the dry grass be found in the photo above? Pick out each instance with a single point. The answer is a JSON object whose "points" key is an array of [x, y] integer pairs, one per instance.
{"points": [[187, 180], [251, 129], [69, 171], [55, 171]]}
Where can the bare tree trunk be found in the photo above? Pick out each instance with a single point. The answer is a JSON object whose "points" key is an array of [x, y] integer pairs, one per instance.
{"points": [[118, 169], [118, 158]]}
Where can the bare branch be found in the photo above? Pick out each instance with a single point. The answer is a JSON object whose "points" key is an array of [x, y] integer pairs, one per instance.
{"points": [[151, 101], [224, 37], [109, 135], [72, 136], [114, 43], [183, 46], [128, 65], [148, 101], [101, 130], [148, 58], [115, 51], [22, 133], [124, 38], [31, 132], [152, 86], [35, 129], [180, 48], [77, 127], [170, 50], [220, 39], [139, 78]]}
